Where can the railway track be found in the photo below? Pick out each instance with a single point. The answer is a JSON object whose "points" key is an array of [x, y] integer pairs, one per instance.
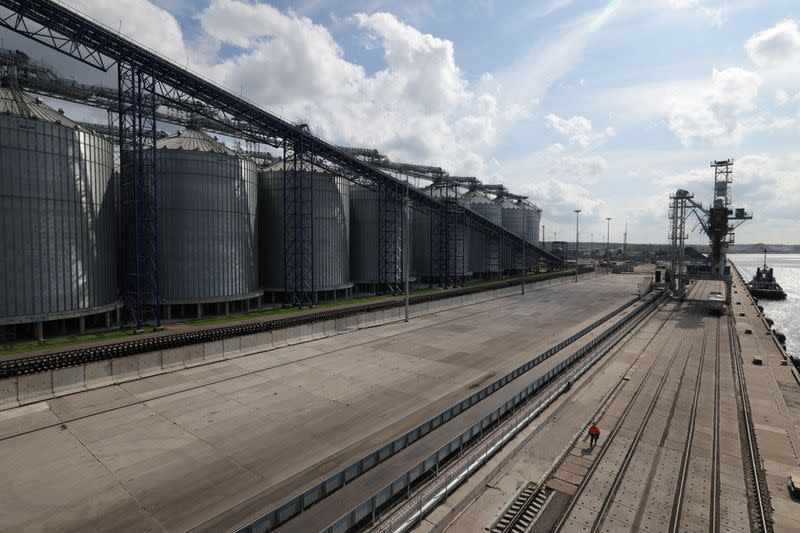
{"points": [[520, 515], [758, 493], [697, 479], [627, 425], [32, 364], [678, 503]]}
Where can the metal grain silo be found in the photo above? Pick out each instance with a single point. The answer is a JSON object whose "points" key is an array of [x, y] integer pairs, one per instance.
{"points": [[533, 217], [512, 217], [365, 205], [208, 237], [480, 260], [57, 216], [331, 228]]}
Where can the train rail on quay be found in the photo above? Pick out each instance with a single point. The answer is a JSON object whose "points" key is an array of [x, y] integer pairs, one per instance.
{"points": [[678, 450]]}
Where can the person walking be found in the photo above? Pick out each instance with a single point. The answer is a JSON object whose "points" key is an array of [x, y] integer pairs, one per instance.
{"points": [[594, 434]]}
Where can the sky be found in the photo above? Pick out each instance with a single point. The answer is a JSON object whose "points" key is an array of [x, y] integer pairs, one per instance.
{"points": [[603, 106]]}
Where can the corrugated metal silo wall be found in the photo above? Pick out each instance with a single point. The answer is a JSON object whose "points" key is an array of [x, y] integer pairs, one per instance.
{"points": [[364, 241], [532, 218], [479, 255], [331, 227], [421, 245], [208, 238], [512, 221], [423, 257], [57, 219]]}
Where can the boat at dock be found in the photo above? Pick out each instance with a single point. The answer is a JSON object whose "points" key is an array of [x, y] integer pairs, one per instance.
{"points": [[764, 285]]}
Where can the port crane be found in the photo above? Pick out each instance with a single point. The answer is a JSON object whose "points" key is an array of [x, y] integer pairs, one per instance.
{"points": [[718, 222]]}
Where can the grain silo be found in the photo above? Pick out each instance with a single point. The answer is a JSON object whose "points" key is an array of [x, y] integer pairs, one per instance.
{"points": [[208, 237], [330, 198], [57, 221], [365, 256], [512, 218], [480, 259]]}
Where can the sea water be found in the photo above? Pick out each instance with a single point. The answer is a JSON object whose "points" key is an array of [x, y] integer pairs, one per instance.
{"points": [[785, 313]]}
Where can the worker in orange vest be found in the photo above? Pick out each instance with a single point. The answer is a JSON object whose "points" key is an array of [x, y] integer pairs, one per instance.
{"points": [[594, 434]]}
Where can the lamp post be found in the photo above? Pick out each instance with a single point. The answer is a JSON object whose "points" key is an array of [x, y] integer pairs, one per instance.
{"points": [[608, 236], [404, 235], [524, 251], [577, 211]]}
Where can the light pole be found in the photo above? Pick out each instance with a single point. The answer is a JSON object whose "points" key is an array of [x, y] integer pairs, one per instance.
{"points": [[524, 251], [608, 236], [577, 211], [404, 236]]}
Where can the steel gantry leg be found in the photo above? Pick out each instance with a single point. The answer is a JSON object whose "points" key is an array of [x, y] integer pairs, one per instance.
{"points": [[138, 194], [390, 241], [298, 223]]}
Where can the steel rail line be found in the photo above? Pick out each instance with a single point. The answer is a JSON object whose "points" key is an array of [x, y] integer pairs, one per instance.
{"points": [[677, 505], [410, 513], [542, 484], [714, 511], [617, 428], [629, 454], [760, 492]]}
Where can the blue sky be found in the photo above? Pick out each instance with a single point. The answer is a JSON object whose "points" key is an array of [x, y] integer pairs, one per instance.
{"points": [[606, 106]]}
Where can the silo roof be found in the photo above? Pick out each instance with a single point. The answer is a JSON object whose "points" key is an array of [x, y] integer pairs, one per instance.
{"points": [[476, 197], [17, 103], [193, 140]]}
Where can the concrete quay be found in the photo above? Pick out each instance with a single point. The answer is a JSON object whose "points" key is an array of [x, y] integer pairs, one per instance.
{"points": [[673, 453], [176, 450], [774, 391]]}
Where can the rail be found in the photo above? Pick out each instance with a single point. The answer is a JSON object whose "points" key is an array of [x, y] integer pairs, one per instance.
{"points": [[401, 486], [623, 418], [542, 483], [760, 492]]}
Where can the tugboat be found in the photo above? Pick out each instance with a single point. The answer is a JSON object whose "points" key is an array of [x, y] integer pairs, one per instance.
{"points": [[764, 285]]}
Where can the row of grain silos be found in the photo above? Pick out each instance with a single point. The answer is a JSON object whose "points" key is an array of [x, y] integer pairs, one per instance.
{"points": [[220, 227]]}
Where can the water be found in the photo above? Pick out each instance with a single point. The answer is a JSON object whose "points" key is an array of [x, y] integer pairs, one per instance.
{"points": [[786, 268]]}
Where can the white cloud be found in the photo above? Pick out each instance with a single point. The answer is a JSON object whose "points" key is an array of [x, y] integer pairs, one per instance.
{"points": [[682, 4], [717, 116], [151, 25], [775, 46], [578, 129], [419, 107], [781, 97]]}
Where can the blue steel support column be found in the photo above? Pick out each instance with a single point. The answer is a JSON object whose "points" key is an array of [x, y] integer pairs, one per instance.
{"points": [[298, 224], [390, 240], [138, 194]]}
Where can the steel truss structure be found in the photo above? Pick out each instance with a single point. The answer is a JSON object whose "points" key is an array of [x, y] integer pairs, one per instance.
{"points": [[298, 226], [138, 194], [680, 204], [217, 109]]}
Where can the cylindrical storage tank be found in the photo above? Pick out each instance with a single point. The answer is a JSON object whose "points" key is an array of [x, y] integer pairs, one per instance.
{"points": [[513, 221], [207, 233], [365, 205], [330, 198], [479, 254], [421, 257], [483, 205], [58, 219], [533, 216]]}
